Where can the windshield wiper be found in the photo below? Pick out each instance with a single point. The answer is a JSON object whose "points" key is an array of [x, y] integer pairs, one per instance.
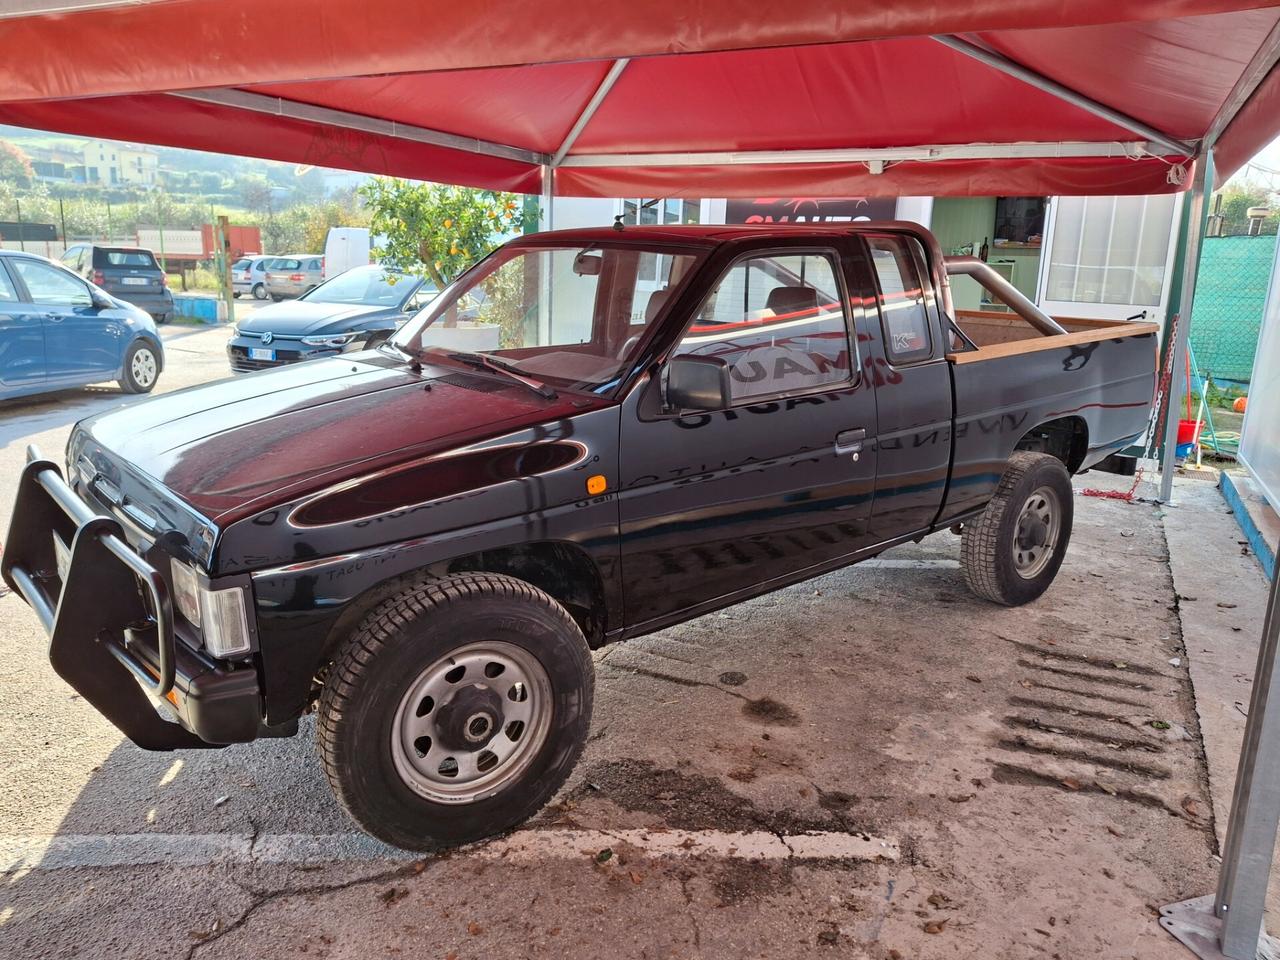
{"points": [[487, 362]]}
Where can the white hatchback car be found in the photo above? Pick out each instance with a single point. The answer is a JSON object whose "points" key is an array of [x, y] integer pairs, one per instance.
{"points": [[249, 275]]}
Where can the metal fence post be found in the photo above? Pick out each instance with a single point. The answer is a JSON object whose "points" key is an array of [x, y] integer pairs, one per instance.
{"points": [[1178, 349], [1230, 924], [1255, 805]]}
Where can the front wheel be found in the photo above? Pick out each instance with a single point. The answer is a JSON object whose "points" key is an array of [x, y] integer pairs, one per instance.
{"points": [[455, 710], [1012, 552], [141, 368]]}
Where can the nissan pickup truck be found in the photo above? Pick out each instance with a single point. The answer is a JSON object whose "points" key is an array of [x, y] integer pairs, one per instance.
{"points": [[423, 543]]}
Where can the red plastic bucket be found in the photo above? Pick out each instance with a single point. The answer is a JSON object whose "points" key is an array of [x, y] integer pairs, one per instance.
{"points": [[1188, 431]]}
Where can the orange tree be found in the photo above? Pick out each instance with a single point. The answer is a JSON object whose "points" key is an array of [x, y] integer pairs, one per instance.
{"points": [[436, 230]]}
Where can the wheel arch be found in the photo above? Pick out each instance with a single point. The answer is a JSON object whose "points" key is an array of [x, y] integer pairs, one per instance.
{"points": [[1066, 438], [561, 569]]}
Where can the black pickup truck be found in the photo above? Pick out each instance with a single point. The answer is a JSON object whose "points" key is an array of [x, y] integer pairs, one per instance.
{"points": [[423, 543]]}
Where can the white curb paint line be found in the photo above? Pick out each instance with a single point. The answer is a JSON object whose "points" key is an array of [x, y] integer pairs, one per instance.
{"points": [[24, 853]]}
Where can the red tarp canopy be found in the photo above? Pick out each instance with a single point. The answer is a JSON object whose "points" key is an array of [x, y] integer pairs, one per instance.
{"points": [[670, 97]]}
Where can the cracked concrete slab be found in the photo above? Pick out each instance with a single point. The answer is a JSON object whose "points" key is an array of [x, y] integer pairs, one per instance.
{"points": [[1039, 769]]}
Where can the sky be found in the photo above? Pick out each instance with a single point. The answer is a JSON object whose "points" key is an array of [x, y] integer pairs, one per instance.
{"points": [[1268, 157]]}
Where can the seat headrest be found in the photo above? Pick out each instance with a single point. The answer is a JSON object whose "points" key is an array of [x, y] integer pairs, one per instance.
{"points": [[791, 299], [657, 300]]}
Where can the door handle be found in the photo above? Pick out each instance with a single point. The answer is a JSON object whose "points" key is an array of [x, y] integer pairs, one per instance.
{"points": [[850, 441], [53, 317]]}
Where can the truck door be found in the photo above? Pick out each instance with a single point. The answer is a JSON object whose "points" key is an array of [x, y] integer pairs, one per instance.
{"points": [[715, 504], [913, 387]]}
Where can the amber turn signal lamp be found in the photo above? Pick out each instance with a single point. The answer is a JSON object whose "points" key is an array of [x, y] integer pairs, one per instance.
{"points": [[597, 485]]}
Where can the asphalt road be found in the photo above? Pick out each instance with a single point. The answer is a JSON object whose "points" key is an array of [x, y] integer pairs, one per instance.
{"points": [[873, 764]]}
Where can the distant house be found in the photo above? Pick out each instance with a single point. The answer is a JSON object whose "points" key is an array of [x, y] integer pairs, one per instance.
{"points": [[57, 164], [119, 164]]}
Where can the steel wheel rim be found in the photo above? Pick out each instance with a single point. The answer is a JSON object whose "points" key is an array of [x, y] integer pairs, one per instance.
{"points": [[1035, 538], [440, 743], [143, 367]]}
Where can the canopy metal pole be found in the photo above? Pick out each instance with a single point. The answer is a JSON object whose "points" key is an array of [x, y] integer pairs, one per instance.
{"points": [[1230, 925], [1255, 806], [1002, 63], [1178, 349]]}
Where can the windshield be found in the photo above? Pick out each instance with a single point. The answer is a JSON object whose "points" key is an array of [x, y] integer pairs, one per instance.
{"points": [[572, 316], [373, 286]]}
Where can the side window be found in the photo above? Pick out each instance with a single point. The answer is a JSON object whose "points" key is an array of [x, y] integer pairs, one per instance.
{"points": [[313, 264], [50, 285], [7, 293], [902, 311], [779, 322]]}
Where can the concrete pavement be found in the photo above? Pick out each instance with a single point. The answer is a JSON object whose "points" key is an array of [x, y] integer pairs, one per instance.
{"points": [[872, 764]]}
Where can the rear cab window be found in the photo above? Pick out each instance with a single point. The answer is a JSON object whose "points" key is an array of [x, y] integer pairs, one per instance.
{"points": [[103, 257], [779, 321], [904, 317]]}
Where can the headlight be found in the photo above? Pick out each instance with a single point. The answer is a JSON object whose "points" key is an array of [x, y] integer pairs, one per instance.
{"points": [[235, 331], [219, 614], [333, 340]]}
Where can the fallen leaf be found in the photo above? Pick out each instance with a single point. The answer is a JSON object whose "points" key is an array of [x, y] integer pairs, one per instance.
{"points": [[935, 926], [1120, 665], [961, 797], [1226, 606], [604, 855], [1193, 807], [1071, 783], [474, 928], [393, 895], [636, 878], [972, 679]]}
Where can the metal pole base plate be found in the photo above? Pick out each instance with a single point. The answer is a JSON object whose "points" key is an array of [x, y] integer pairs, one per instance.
{"points": [[1193, 923]]}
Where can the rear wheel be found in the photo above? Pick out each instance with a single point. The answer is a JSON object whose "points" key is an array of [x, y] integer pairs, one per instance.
{"points": [[456, 710], [259, 292], [1012, 552], [141, 368]]}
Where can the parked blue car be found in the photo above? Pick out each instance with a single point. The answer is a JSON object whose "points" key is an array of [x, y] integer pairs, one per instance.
{"points": [[59, 331]]}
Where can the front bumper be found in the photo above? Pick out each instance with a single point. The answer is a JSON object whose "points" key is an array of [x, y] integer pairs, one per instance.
{"points": [[282, 352], [111, 624]]}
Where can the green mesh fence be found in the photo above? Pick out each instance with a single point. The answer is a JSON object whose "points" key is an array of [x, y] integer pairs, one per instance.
{"points": [[1230, 295]]}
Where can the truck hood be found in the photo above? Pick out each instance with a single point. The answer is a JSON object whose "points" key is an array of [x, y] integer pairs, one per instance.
{"points": [[234, 448]]}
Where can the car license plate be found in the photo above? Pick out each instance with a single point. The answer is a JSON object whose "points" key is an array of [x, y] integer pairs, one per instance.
{"points": [[62, 557], [135, 281], [261, 353]]}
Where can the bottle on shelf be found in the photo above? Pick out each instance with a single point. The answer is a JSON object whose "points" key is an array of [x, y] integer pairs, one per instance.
{"points": [[982, 254]]}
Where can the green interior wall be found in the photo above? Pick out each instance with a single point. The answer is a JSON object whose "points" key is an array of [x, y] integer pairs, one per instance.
{"points": [[958, 221]]}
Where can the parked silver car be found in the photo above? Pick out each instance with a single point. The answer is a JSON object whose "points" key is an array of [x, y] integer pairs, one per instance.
{"points": [[249, 275], [293, 275]]}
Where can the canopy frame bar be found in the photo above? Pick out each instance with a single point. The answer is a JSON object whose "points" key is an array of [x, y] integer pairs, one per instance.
{"points": [[943, 151], [589, 111], [1263, 62], [1038, 80], [292, 109]]}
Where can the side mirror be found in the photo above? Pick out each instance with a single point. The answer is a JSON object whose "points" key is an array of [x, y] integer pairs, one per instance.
{"points": [[100, 299], [696, 383]]}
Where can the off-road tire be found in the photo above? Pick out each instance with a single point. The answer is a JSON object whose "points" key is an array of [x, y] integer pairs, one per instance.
{"points": [[134, 378], [987, 544], [375, 669]]}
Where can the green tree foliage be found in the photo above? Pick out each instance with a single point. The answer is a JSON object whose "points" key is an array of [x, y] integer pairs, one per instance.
{"points": [[434, 229], [1237, 197], [15, 165]]}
